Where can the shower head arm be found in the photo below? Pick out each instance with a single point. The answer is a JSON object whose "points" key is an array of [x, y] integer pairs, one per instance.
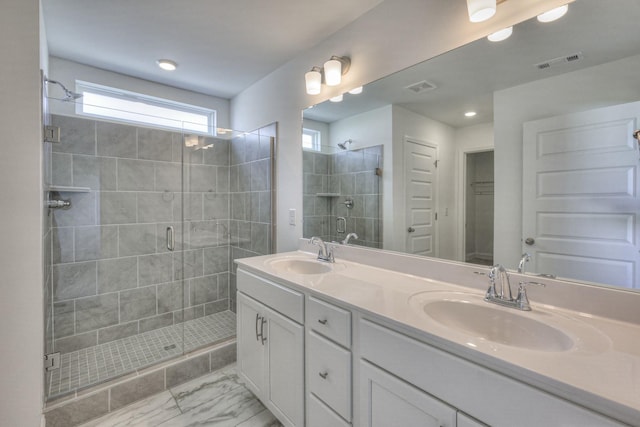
{"points": [[69, 95]]}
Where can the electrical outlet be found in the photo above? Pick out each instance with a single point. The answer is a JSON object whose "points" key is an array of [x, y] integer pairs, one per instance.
{"points": [[292, 217]]}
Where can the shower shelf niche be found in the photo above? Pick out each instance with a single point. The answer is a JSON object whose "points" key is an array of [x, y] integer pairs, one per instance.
{"points": [[328, 194], [65, 189]]}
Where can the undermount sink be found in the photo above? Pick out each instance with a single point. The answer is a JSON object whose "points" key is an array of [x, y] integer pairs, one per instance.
{"points": [[299, 266], [470, 315], [498, 326]]}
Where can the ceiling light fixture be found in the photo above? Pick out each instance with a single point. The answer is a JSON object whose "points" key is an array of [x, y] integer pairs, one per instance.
{"points": [[356, 90], [481, 10], [167, 64], [501, 35], [553, 14], [470, 114], [336, 98]]}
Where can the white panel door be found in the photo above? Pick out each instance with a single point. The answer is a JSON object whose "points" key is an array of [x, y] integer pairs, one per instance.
{"points": [[580, 195], [420, 197]]}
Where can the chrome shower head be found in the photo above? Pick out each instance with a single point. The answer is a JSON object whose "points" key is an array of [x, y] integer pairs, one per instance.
{"points": [[343, 145], [68, 95]]}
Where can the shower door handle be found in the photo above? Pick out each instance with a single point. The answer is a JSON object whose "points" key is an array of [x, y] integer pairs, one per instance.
{"points": [[171, 239]]}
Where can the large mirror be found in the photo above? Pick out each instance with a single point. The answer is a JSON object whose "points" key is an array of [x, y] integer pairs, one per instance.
{"points": [[548, 165]]}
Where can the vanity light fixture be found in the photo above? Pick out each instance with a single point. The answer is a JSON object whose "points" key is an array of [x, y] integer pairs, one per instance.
{"points": [[313, 81], [167, 64], [501, 35], [470, 114], [336, 98], [553, 14], [356, 90], [333, 70], [481, 10]]}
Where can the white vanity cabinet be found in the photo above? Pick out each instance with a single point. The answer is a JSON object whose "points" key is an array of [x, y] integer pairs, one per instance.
{"points": [[328, 364], [271, 345], [399, 374]]}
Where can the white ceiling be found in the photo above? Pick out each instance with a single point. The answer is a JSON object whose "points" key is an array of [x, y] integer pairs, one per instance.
{"points": [[222, 47]]}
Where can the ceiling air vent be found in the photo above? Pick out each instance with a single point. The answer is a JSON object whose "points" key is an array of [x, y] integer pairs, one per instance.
{"points": [[559, 61], [420, 87]]}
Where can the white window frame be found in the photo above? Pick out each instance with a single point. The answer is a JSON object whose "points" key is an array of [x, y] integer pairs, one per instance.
{"points": [[316, 140], [134, 108]]}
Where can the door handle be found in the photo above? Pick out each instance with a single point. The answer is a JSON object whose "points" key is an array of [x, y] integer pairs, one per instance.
{"points": [[257, 333], [171, 239], [263, 338], [411, 230]]}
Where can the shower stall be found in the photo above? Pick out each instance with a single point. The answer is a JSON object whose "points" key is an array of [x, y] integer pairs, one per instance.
{"points": [[140, 237]]}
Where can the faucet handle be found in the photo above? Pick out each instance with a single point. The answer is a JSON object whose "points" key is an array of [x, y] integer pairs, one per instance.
{"points": [[522, 301]]}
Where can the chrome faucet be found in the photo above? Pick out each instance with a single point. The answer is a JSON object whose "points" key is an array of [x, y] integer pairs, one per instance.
{"points": [[499, 291], [349, 237], [523, 261], [325, 253]]}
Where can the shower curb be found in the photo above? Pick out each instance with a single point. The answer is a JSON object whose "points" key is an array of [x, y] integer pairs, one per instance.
{"points": [[97, 401]]}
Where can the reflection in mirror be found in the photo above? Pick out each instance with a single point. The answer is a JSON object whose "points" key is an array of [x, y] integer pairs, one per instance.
{"points": [[556, 105], [342, 193]]}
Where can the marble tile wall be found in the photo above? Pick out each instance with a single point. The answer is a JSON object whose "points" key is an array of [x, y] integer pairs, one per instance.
{"points": [[112, 273], [351, 175], [251, 192]]}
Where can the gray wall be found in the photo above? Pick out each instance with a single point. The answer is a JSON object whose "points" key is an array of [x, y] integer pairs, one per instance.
{"points": [[112, 274], [21, 297]]}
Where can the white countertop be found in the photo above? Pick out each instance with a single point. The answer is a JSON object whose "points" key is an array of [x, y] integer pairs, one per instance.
{"points": [[601, 371]]}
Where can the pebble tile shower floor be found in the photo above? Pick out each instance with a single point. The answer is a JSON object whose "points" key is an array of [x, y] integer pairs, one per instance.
{"points": [[92, 365]]}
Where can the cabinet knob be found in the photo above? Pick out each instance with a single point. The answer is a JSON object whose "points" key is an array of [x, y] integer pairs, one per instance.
{"points": [[322, 321], [323, 375]]}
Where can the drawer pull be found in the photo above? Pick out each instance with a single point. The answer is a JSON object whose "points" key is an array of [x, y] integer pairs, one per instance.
{"points": [[322, 321], [323, 375]]}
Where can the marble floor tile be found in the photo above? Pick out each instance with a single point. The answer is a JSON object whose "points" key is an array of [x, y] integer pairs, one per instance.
{"points": [[219, 399], [206, 388], [228, 410], [146, 413], [263, 419]]}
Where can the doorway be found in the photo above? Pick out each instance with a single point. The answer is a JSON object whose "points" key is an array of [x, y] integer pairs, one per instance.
{"points": [[478, 207]]}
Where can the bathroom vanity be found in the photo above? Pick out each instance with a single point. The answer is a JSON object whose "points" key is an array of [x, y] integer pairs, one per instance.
{"points": [[384, 339]]}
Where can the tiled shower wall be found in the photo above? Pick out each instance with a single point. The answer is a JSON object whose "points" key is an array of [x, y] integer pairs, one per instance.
{"points": [[349, 175], [252, 194], [113, 276]]}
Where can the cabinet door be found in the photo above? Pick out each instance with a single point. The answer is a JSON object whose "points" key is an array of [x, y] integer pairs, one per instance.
{"points": [[466, 421], [251, 348], [285, 369], [386, 401]]}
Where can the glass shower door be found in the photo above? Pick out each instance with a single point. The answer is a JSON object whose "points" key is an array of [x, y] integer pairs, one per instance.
{"points": [[117, 290]]}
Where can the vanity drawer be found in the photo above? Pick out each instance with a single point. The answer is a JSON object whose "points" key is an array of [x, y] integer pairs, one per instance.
{"points": [[320, 415], [329, 374], [330, 321], [282, 299]]}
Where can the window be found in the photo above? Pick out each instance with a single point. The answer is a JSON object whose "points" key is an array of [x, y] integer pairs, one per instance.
{"points": [[310, 139], [130, 107]]}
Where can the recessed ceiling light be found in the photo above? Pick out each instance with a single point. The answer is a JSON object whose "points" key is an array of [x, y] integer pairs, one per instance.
{"points": [[503, 34], [167, 64], [356, 90], [336, 98], [470, 114], [553, 14]]}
